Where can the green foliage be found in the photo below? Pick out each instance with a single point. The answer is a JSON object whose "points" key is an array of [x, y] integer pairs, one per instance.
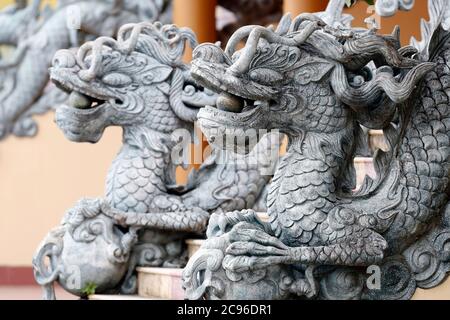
{"points": [[352, 2], [89, 289]]}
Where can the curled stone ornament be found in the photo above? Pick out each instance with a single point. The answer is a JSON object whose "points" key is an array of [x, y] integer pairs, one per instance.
{"points": [[209, 276], [397, 282], [84, 237], [406, 4], [424, 262], [429, 259], [342, 284], [387, 8]]}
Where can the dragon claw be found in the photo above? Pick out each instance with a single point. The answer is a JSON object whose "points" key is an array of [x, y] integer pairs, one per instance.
{"points": [[223, 223], [253, 249], [245, 231], [84, 208], [240, 264]]}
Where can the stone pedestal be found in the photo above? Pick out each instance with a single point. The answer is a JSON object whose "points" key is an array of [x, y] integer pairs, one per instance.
{"points": [[160, 283], [193, 246], [363, 167]]}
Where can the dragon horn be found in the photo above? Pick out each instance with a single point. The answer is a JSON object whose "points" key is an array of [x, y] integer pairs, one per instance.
{"points": [[305, 17], [96, 49], [243, 63], [237, 37]]}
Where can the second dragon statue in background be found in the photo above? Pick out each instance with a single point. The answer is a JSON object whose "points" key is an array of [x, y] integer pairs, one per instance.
{"points": [[140, 83], [37, 35]]}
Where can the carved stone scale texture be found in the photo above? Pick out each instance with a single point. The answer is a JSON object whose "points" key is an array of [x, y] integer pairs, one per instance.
{"points": [[317, 83], [139, 82]]}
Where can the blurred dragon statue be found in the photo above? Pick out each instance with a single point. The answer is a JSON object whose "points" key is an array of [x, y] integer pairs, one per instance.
{"points": [[317, 79], [37, 34]]}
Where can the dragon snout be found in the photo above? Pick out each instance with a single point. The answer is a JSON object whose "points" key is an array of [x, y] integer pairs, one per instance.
{"points": [[209, 52], [64, 59]]}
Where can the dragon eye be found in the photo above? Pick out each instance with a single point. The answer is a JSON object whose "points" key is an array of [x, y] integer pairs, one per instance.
{"points": [[117, 79], [266, 76]]}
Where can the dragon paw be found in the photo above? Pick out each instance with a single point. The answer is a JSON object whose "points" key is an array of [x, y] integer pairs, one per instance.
{"points": [[221, 223], [253, 249], [84, 209]]}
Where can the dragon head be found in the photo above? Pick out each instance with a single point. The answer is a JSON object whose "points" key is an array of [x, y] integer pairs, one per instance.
{"points": [[302, 77], [136, 80]]}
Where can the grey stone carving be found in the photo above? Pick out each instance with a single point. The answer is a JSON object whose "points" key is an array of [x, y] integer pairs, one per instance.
{"points": [[334, 16], [318, 84], [37, 35], [139, 82], [387, 8], [439, 16]]}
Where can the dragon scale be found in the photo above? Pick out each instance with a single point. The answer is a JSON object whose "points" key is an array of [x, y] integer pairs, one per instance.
{"points": [[423, 154]]}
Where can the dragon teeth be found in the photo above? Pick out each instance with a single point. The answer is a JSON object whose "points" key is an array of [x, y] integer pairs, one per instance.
{"points": [[230, 103], [79, 100]]}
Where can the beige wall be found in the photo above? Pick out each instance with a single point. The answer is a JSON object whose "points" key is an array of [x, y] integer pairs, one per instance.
{"points": [[42, 177]]}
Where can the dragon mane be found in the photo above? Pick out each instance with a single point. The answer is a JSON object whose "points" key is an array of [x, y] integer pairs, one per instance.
{"points": [[165, 43], [370, 70]]}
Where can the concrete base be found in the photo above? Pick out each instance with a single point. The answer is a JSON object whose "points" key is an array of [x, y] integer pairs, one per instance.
{"points": [[363, 167], [160, 283], [193, 246]]}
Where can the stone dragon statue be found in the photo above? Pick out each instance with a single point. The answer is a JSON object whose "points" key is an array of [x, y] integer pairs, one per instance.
{"points": [[318, 84], [16, 21], [140, 83], [37, 35]]}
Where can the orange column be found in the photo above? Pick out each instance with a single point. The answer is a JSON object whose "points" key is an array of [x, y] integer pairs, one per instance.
{"points": [[200, 16], [295, 7]]}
